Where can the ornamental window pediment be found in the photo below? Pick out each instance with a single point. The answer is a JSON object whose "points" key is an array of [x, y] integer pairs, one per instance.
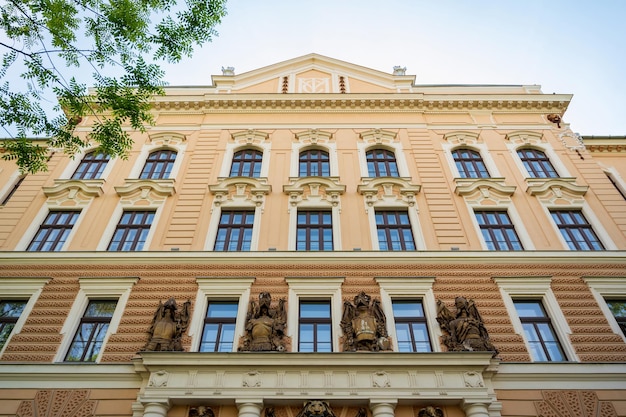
{"points": [[314, 191], [485, 191], [388, 191], [249, 137], [525, 137], [240, 191], [145, 192], [462, 138], [557, 191], [314, 137], [378, 137], [73, 193], [167, 139]]}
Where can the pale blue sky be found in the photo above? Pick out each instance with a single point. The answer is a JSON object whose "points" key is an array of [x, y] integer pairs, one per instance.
{"points": [[566, 46]]}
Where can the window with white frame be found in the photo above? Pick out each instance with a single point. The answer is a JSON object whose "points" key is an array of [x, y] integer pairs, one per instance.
{"points": [[94, 317], [159, 165], [537, 163], [381, 162], [314, 163], [54, 231], [537, 317], [469, 163], [132, 231], [18, 296], [381, 154], [311, 301], [410, 307], [92, 166], [394, 230], [218, 334], [576, 230], [610, 294], [314, 230], [497, 230], [234, 232]]}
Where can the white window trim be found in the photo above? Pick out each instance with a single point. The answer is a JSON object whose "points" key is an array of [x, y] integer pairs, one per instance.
{"points": [[395, 147], [516, 220], [520, 288], [148, 149], [416, 227], [593, 221], [604, 288], [40, 217], [11, 181], [314, 288], [21, 288], [305, 206], [485, 155], [331, 148], [94, 288], [614, 175], [216, 215], [107, 235], [78, 158], [232, 148], [219, 289], [410, 288], [559, 167]]}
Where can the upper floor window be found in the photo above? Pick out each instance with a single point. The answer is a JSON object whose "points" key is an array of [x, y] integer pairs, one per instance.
{"points": [[618, 309], [247, 163], [411, 329], [53, 233], [544, 345], [132, 231], [234, 232], [159, 165], [91, 331], [469, 163], [314, 163], [498, 231], [394, 230], [91, 167], [315, 324], [381, 163], [314, 231], [219, 327], [576, 231], [10, 311], [13, 189], [537, 163]]}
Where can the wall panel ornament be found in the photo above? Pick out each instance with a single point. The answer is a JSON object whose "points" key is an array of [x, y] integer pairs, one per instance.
{"points": [[58, 403], [573, 404]]}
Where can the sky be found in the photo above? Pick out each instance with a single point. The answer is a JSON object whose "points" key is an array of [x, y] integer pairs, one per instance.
{"points": [[566, 46]]}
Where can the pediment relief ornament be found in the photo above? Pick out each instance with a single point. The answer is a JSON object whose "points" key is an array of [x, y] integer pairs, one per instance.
{"points": [[167, 139], [249, 137], [73, 192], [557, 191], [462, 138], [484, 191], [314, 190], [240, 191], [314, 137], [525, 137], [145, 192], [378, 137], [388, 191]]}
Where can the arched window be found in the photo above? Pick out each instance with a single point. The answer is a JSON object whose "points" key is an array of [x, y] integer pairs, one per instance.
{"points": [[91, 167], [381, 163], [159, 165], [537, 163], [314, 163], [469, 163], [247, 163]]}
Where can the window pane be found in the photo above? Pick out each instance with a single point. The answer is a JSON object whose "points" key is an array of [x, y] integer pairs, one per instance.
{"points": [[222, 310]]}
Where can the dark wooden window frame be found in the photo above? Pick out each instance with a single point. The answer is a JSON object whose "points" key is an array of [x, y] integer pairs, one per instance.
{"points": [[8, 322], [573, 223], [220, 321], [490, 229], [315, 321], [230, 226], [308, 226], [381, 163], [411, 320], [387, 227], [127, 225], [537, 320], [470, 163], [91, 166], [314, 163], [537, 163], [91, 340], [52, 232], [247, 163], [159, 165]]}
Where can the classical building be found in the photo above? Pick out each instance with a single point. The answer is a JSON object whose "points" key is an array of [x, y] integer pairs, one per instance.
{"points": [[315, 238]]}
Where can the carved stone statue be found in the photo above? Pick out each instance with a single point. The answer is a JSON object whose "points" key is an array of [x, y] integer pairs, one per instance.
{"points": [[201, 411], [265, 326], [430, 412], [364, 325], [168, 326], [316, 408], [464, 331]]}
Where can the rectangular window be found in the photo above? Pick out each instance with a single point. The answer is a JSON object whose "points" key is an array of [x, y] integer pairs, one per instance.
{"points": [[315, 327], [576, 231], [544, 345], [10, 311], [234, 232], [315, 230], [53, 233], [132, 231], [219, 327], [498, 231], [618, 308], [91, 331], [394, 230], [411, 329]]}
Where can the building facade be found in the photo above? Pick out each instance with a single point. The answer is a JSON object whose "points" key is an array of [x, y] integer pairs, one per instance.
{"points": [[316, 238]]}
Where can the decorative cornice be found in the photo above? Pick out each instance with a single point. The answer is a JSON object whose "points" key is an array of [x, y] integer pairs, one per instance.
{"points": [[234, 189], [88, 188], [526, 137], [378, 136], [250, 137], [167, 138], [539, 187], [466, 186], [314, 136], [330, 187], [462, 138], [162, 188], [381, 189]]}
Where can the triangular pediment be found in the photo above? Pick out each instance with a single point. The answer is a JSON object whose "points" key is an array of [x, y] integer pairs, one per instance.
{"points": [[312, 73]]}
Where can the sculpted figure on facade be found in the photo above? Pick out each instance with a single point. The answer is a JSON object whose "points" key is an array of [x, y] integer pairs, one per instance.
{"points": [[430, 411], [168, 325], [465, 330], [265, 326], [316, 408], [201, 411], [364, 325]]}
